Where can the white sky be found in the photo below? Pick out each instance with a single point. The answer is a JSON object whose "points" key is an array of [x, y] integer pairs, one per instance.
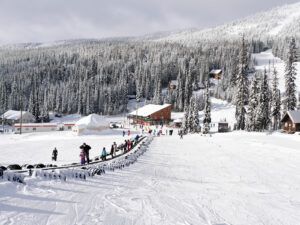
{"points": [[48, 20]]}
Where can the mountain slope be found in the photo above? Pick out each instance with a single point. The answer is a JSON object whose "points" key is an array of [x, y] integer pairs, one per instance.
{"points": [[278, 22]]}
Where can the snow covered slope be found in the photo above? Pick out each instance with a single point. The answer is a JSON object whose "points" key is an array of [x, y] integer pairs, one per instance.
{"points": [[234, 178], [278, 22], [264, 59]]}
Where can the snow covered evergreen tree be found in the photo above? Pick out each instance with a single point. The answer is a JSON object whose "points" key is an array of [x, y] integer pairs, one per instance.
{"points": [[276, 101], [185, 124], [196, 123], [207, 109], [241, 85], [252, 105], [290, 77], [262, 114]]}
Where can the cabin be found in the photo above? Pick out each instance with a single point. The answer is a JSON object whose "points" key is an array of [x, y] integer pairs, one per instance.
{"points": [[67, 126], [173, 84], [215, 74], [177, 123], [12, 116], [34, 127], [291, 121], [151, 115], [90, 124], [223, 127]]}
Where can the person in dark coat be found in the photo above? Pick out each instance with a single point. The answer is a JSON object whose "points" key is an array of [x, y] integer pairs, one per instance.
{"points": [[112, 151], [86, 149], [123, 133], [54, 154]]}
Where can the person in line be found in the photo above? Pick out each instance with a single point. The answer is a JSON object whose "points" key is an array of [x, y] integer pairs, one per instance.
{"points": [[86, 149], [82, 157], [125, 146], [115, 148], [54, 154], [128, 132], [112, 151], [103, 154], [137, 137], [128, 145]]}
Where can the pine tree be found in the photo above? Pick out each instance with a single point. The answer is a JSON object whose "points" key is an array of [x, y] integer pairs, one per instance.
{"points": [[252, 106], [290, 77], [262, 114], [276, 102], [196, 123], [179, 92], [241, 85], [207, 116], [185, 125]]}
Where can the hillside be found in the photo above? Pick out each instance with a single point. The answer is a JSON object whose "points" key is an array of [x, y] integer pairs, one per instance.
{"points": [[280, 22]]}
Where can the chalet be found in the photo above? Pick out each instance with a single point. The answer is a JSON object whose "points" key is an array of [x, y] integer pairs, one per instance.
{"points": [[12, 116], [173, 84], [151, 114], [291, 121], [177, 123], [216, 74], [223, 127], [34, 127]]}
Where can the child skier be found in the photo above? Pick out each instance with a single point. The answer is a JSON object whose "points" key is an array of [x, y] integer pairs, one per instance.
{"points": [[103, 154], [82, 157]]}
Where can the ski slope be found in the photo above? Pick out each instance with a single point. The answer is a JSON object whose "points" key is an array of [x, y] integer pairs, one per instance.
{"points": [[266, 59], [231, 178]]}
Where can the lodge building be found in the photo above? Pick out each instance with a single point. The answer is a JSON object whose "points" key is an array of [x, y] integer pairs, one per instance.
{"points": [[291, 121], [151, 114]]}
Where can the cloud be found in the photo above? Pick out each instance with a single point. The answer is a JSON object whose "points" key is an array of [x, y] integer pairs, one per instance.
{"points": [[48, 20]]}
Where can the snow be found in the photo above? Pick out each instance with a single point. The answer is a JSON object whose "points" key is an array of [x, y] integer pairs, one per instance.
{"points": [[13, 114], [149, 109], [232, 178], [266, 58], [92, 121], [215, 71]]}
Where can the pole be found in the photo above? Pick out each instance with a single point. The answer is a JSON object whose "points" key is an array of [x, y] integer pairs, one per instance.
{"points": [[21, 118]]}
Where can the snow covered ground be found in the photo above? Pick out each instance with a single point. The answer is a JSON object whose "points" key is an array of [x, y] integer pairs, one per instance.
{"points": [[230, 178], [33, 148], [264, 59]]}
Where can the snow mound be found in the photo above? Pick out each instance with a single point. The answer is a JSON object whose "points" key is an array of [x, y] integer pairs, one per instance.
{"points": [[13, 114], [92, 121]]}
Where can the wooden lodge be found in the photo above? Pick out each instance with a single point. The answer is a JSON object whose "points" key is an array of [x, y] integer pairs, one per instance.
{"points": [[151, 114], [173, 84], [291, 121], [216, 74]]}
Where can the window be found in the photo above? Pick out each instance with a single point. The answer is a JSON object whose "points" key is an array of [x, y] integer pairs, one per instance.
{"points": [[69, 128], [34, 129], [18, 129]]}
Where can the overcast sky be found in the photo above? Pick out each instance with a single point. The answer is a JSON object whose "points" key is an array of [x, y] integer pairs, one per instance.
{"points": [[48, 20]]}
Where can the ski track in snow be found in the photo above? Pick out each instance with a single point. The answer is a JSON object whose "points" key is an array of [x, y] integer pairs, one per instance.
{"points": [[234, 178]]}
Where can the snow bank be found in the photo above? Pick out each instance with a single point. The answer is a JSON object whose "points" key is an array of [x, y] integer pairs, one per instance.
{"points": [[92, 121]]}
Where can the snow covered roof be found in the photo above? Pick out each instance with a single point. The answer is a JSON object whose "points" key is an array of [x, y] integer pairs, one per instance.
{"points": [[92, 121], [14, 115], [147, 110], [174, 82], [215, 71], [178, 121], [36, 125], [294, 115]]}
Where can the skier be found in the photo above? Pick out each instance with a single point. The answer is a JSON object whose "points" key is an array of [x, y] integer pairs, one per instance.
{"points": [[103, 154], [128, 132], [181, 134], [82, 157], [54, 154], [86, 149], [171, 132], [123, 133]]}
